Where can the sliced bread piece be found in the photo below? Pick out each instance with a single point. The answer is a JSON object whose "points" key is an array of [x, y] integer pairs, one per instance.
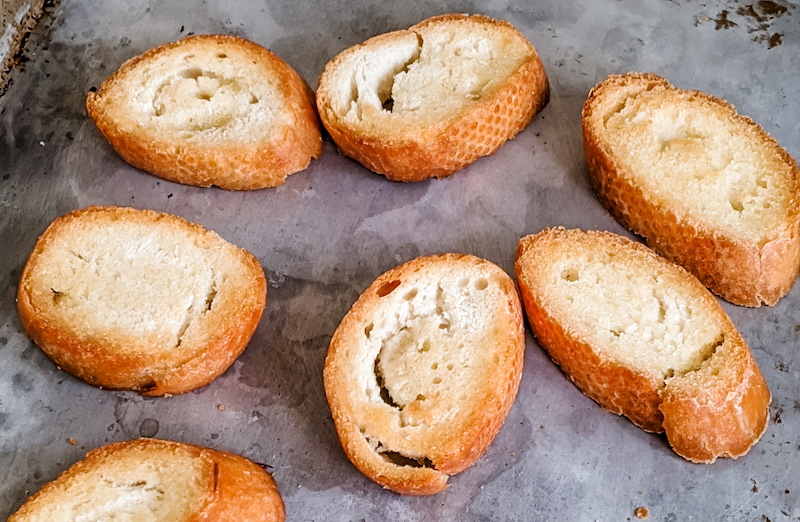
{"points": [[422, 371], [209, 110], [136, 299], [150, 479], [429, 100], [706, 187], [643, 337]]}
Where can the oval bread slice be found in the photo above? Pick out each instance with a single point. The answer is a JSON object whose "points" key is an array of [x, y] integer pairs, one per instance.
{"points": [[209, 110], [706, 187], [150, 479], [643, 338], [136, 299], [422, 371], [429, 100]]}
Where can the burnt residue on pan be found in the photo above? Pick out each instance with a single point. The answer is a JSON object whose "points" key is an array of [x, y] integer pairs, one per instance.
{"points": [[757, 18]]}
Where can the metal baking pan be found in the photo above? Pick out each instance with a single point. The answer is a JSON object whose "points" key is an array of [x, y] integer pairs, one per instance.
{"points": [[330, 230]]}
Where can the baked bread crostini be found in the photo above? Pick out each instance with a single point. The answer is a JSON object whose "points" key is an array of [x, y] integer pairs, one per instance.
{"points": [[429, 100], [643, 337], [209, 110], [136, 299], [706, 187], [422, 371], [150, 479]]}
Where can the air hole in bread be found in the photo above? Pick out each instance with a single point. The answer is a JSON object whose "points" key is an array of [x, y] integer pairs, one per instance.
{"points": [[762, 183], [425, 346], [570, 274], [411, 294], [385, 396], [435, 366], [736, 204], [437, 380], [615, 333], [496, 359], [450, 366], [57, 296], [204, 96], [463, 283], [481, 284], [421, 397], [388, 104], [222, 56], [253, 99], [192, 73], [387, 288], [368, 329], [399, 459], [147, 386], [212, 294]]}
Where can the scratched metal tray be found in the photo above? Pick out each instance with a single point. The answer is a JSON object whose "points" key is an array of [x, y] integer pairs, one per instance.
{"points": [[330, 230]]}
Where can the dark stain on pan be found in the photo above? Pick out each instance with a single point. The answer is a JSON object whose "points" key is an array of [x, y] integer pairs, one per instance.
{"points": [[758, 18], [722, 21]]}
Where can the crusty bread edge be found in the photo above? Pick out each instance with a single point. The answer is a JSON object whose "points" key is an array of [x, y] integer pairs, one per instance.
{"points": [[85, 361], [441, 149], [701, 424], [230, 168], [241, 489], [482, 428], [739, 272]]}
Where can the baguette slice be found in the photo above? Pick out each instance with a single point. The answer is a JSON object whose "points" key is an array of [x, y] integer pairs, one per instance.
{"points": [[149, 479], [643, 338], [706, 187], [432, 99], [136, 299], [422, 371], [209, 110]]}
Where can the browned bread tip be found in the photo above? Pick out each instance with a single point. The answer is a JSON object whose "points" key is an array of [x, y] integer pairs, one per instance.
{"points": [[209, 110], [137, 299], [427, 101], [423, 369], [150, 479], [705, 186], [643, 338]]}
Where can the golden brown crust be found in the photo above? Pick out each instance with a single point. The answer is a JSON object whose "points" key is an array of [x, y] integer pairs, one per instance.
{"points": [[719, 409], [108, 358], [441, 149], [235, 488], [743, 272], [449, 447], [231, 166]]}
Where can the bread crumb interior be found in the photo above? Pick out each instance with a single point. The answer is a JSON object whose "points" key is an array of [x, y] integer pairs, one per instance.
{"points": [[684, 150]]}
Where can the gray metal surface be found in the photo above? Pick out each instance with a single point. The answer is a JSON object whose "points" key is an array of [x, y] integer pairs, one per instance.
{"points": [[330, 230]]}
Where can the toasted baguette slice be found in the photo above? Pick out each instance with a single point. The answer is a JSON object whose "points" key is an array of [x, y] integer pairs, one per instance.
{"points": [[643, 338], [429, 100], [706, 187], [209, 110], [422, 371], [149, 479], [136, 299]]}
